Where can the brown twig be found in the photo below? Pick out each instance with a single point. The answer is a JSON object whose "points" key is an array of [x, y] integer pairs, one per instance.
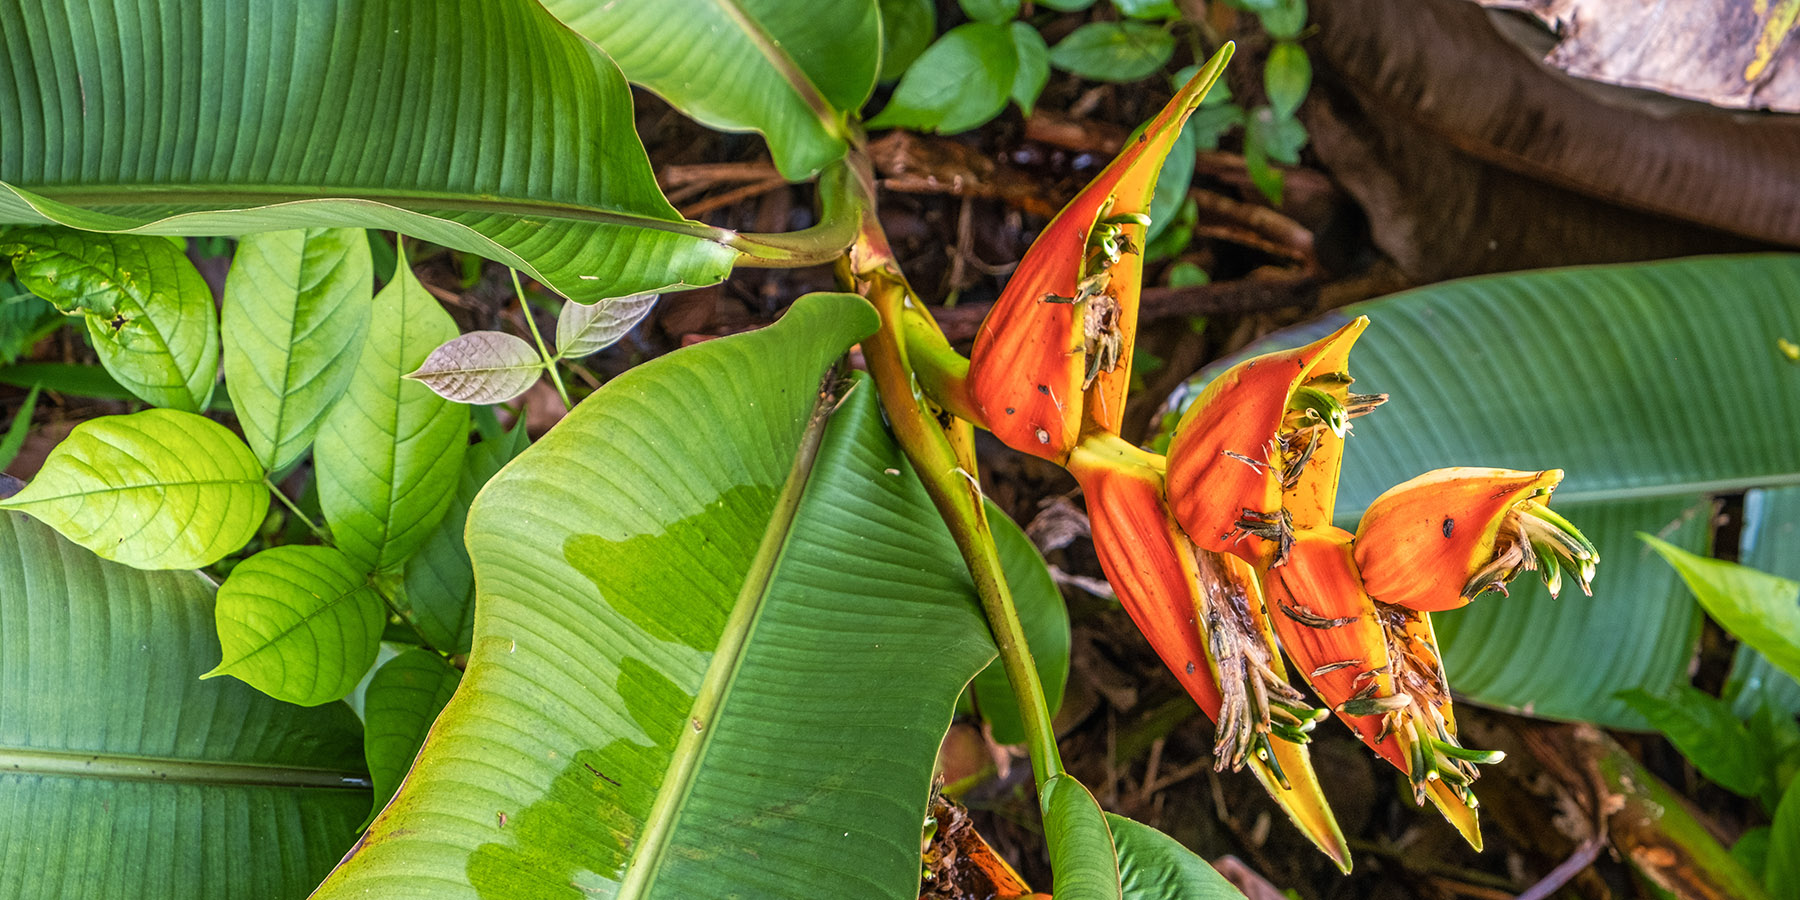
{"points": [[735, 195], [1583, 857]]}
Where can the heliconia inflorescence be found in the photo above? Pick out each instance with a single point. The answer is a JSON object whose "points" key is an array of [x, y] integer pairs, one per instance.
{"points": [[1224, 553]]}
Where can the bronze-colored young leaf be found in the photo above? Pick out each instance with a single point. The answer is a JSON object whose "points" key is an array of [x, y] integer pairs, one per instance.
{"points": [[480, 367]]}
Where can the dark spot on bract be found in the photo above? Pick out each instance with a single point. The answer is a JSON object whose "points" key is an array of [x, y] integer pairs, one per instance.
{"points": [[1190, 667], [1449, 526], [1044, 389], [1010, 410]]}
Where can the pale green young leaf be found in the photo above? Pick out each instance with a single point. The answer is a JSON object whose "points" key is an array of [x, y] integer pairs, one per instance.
{"points": [[295, 313], [337, 117], [159, 489], [403, 699], [298, 623], [1756, 607], [184, 790], [1287, 76], [907, 27], [480, 367], [1154, 866], [439, 583], [1282, 19], [1034, 65], [960, 82], [583, 328], [1080, 842], [1768, 542], [1066, 5], [1114, 51], [390, 449], [148, 311]]}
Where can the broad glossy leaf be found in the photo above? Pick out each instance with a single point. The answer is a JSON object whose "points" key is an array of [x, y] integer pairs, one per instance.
{"points": [[121, 774], [439, 584], [298, 623], [788, 70], [583, 328], [403, 699], [960, 82], [1034, 65], [159, 489], [1046, 623], [214, 116], [997, 12], [1709, 734], [295, 314], [1081, 844], [1769, 542], [716, 648], [148, 311], [1154, 866], [1758, 608], [480, 367], [388, 455], [1113, 51], [1650, 387], [1147, 9]]}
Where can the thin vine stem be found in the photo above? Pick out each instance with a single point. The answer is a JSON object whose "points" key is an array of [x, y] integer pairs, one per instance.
{"points": [[543, 349], [295, 510]]}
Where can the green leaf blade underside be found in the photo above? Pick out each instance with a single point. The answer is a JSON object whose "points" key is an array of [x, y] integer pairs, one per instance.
{"points": [[439, 581], [159, 489], [1154, 866], [668, 554], [125, 776], [790, 71], [1647, 384], [1082, 854], [340, 123], [390, 449], [298, 623], [149, 313], [295, 314], [1769, 542]]}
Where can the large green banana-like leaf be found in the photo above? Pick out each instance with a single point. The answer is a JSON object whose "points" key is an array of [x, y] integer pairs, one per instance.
{"points": [[719, 635], [1769, 542], [1654, 386], [121, 775], [478, 124], [789, 70]]}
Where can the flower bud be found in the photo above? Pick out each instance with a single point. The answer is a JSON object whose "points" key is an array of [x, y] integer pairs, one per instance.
{"points": [[1378, 667], [1257, 454], [1439, 540], [1203, 613], [1055, 350]]}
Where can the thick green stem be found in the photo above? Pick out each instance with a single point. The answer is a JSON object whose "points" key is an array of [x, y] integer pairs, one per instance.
{"points": [[950, 484], [842, 204]]}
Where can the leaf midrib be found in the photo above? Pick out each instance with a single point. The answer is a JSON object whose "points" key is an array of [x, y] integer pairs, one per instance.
{"points": [[131, 767], [785, 66], [696, 734], [91, 195], [148, 486]]}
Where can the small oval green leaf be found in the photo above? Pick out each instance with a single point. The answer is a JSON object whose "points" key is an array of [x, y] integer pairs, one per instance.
{"points": [[584, 328], [1081, 844], [1287, 76], [300, 624], [480, 367], [390, 449], [1114, 51], [1154, 866], [995, 12], [1034, 65], [906, 30], [159, 489], [959, 82], [148, 311], [295, 314]]}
